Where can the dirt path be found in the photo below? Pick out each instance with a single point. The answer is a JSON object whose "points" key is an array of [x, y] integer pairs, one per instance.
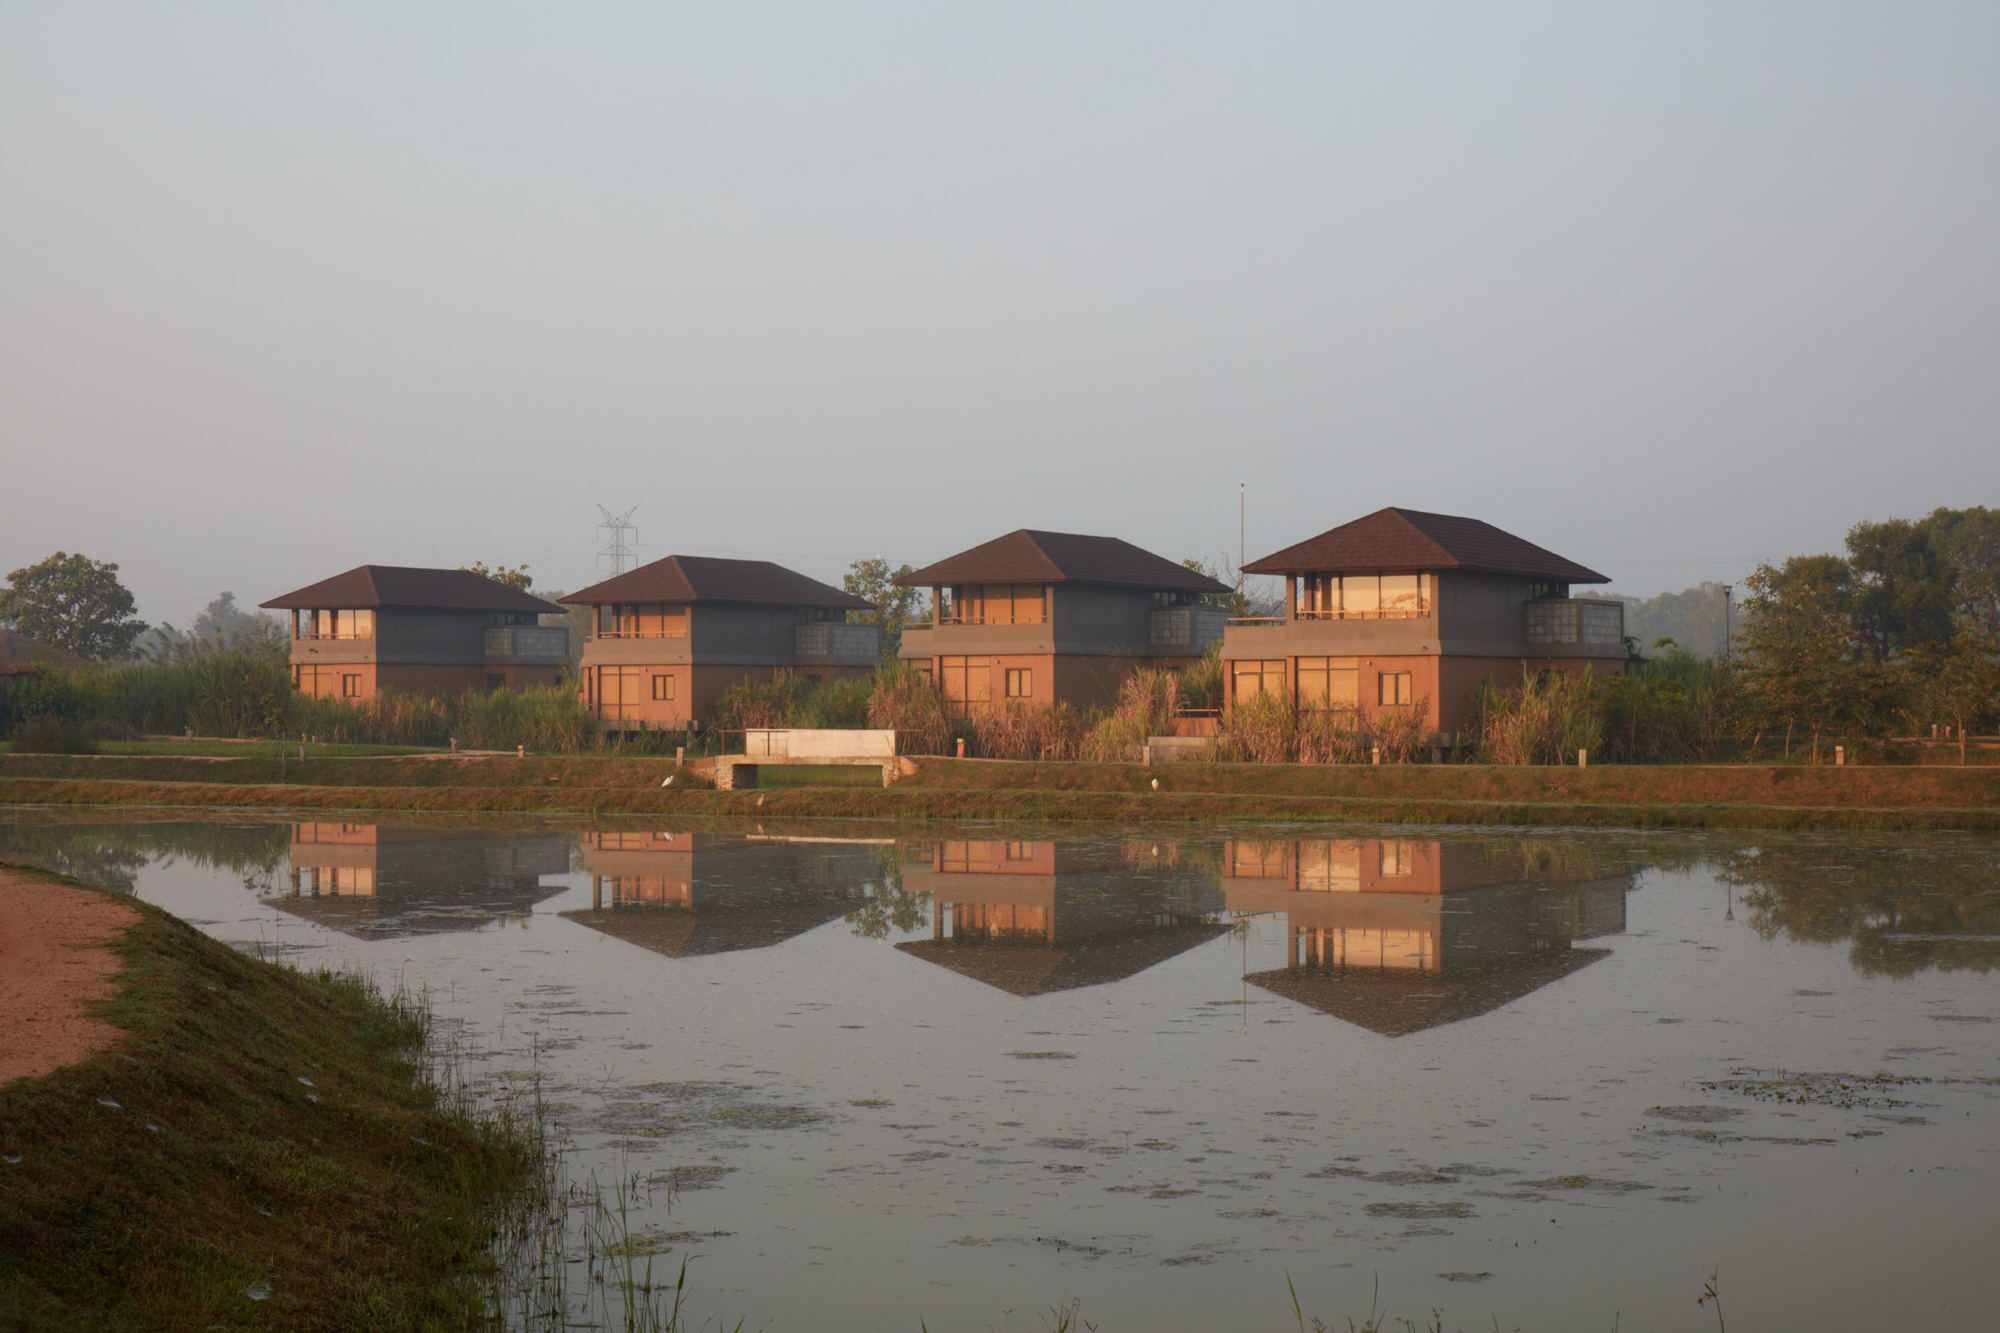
{"points": [[56, 958]]}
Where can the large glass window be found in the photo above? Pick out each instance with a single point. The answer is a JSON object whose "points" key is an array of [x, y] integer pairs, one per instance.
{"points": [[1362, 596], [1252, 678], [966, 682], [618, 692], [998, 604], [1328, 682]]}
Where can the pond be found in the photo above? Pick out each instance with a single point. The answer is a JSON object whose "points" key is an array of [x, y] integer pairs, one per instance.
{"points": [[970, 1077]]}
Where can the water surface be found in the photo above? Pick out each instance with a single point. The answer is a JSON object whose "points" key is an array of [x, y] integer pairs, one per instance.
{"points": [[1551, 1080]]}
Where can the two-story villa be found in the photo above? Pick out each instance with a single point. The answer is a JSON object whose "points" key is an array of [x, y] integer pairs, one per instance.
{"points": [[1033, 917], [1033, 618], [391, 627], [694, 893], [668, 638], [1403, 608]]}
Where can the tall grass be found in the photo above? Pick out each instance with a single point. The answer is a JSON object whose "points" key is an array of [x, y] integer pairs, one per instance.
{"points": [[1544, 720], [905, 700]]}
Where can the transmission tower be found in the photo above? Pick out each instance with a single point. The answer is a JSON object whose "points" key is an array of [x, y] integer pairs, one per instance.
{"points": [[615, 536]]}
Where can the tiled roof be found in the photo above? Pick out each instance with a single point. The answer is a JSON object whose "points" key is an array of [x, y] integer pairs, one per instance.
{"points": [[23, 656], [1029, 556], [702, 578], [367, 586], [1408, 541]]}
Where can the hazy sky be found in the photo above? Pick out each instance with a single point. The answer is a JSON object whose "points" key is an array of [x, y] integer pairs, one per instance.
{"points": [[1667, 288]]}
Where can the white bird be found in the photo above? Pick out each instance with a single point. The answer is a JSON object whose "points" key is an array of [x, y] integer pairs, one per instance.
{"points": [[1156, 784], [760, 800], [669, 782]]}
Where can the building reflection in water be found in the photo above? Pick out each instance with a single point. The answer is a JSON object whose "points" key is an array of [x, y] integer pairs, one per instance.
{"points": [[1030, 917], [375, 881], [685, 894], [1400, 935]]}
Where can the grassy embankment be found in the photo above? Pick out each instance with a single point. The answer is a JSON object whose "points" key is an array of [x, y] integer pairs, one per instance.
{"points": [[1649, 796], [265, 1148]]}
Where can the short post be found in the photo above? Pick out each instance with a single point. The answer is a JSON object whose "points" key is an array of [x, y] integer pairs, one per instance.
{"points": [[454, 745], [680, 755], [1840, 756], [961, 747], [520, 752], [302, 752], [1146, 755], [1583, 759], [190, 733], [1374, 754]]}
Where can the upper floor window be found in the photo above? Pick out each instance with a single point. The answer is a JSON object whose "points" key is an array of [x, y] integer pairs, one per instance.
{"points": [[641, 620], [996, 604], [1363, 596], [1538, 588], [330, 623]]}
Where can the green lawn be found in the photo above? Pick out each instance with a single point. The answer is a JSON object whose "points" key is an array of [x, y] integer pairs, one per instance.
{"points": [[251, 749]]}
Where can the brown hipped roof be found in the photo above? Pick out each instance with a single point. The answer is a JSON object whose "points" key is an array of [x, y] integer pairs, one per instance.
{"points": [[23, 656], [1410, 541], [374, 586], [707, 578], [1031, 556]]}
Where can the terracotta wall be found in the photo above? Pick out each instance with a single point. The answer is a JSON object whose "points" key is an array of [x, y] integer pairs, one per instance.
{"points": [[1082, 681], [1448, 685], [695, 689], [323, 680]]}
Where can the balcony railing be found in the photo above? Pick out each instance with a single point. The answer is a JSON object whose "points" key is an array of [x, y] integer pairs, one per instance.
{"points": [[673, 632], [935, 621]]}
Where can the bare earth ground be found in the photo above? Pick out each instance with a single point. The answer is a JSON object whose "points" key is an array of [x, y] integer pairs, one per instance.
{"points": [[56, 959]]}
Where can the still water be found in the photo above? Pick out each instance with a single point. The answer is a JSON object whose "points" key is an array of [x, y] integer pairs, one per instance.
{"points": [[1550, 1081]]}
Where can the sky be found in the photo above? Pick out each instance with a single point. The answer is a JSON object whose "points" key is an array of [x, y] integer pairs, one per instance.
{"points": [[1668, 288]]}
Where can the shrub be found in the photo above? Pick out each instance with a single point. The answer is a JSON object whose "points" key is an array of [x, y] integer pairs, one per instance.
{"points": [[50, 735], [756, 703], [837, 704]]}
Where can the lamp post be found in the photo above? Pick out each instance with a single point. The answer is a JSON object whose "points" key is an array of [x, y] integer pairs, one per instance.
{"points": [[1725, 620]]}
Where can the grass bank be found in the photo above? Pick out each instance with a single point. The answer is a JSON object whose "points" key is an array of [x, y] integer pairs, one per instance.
{"points": [[1651, 796], [265, 1148]]}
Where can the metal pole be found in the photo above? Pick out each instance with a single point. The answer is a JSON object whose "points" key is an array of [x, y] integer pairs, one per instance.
{"points": [[1725, 620]]}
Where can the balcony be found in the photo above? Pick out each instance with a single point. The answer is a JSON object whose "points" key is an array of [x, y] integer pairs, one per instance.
{"points": [[1575, 627], [527, 645], [1184, 631], [827, 643]]}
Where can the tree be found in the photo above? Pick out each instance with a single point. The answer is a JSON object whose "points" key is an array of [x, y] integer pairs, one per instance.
{"points": [[515, 576], [895, 608], [1240, 601], [1970, 540], [74, 603], [222, 625], [1899, 586], [1958, 681], [1798, 646]]}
